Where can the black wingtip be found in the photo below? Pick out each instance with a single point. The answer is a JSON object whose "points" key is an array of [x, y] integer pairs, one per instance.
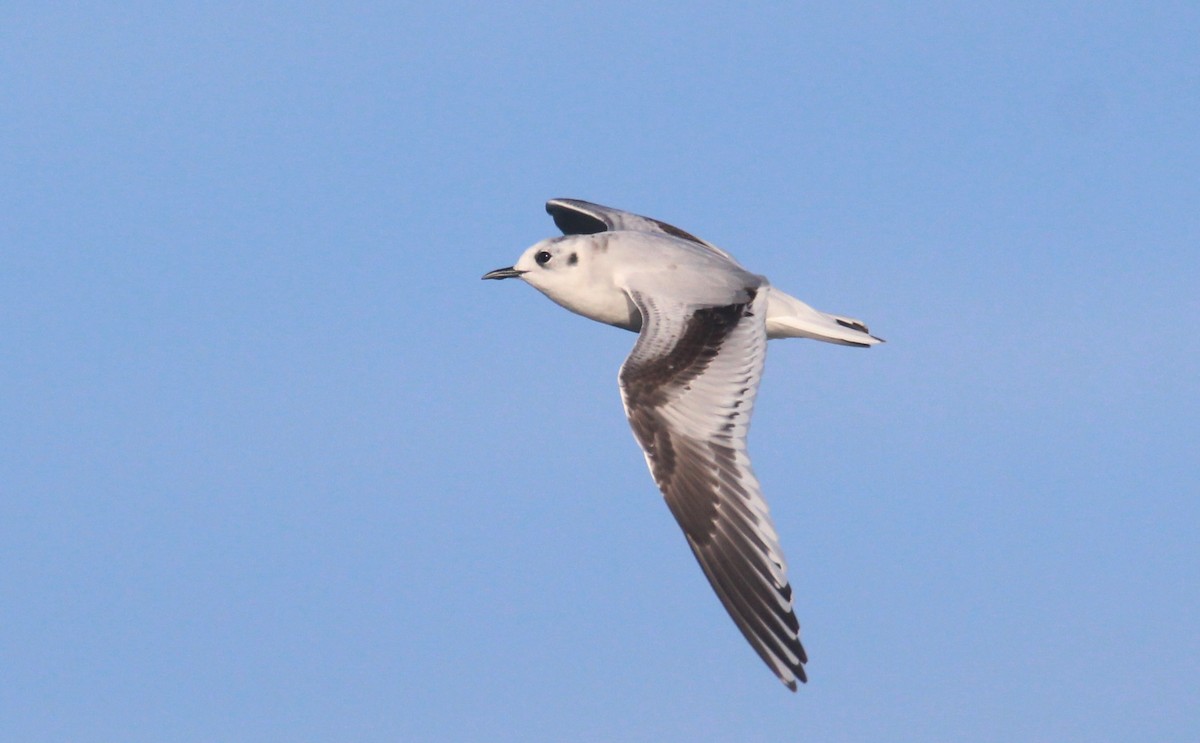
{"points": [[572, 217]]}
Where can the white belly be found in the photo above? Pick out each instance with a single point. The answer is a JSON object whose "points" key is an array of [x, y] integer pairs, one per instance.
{"points": [[609, 306]]}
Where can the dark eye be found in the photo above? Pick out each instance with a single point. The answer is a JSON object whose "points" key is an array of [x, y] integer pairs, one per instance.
{"points": [[542, 258]]}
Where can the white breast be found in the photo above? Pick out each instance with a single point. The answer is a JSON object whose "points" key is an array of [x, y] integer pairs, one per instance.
{"points": [[599, 301]]}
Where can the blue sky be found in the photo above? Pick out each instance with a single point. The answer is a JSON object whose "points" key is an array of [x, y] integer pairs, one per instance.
{"points": [[276, 465]]}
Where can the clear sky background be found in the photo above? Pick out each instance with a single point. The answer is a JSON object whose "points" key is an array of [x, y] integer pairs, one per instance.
{"points": [[277, 466]]}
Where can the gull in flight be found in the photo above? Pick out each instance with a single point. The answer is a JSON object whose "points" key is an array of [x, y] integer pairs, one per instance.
{"points": [[688, 387]]}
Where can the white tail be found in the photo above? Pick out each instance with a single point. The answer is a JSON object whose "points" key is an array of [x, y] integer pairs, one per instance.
{"points": [[788, 317]]}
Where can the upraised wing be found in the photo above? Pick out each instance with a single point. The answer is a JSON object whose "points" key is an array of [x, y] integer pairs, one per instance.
{"points": [[577, 217]]}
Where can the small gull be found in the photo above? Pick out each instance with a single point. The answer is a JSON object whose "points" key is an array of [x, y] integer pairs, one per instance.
{"points": [[688, 387]]}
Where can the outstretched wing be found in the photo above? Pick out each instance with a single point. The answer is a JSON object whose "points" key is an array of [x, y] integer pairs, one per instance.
{"points": [[689, 387], [576, 217]]}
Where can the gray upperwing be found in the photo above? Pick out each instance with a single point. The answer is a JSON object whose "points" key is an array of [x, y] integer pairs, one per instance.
{"points": [[578, 217]]}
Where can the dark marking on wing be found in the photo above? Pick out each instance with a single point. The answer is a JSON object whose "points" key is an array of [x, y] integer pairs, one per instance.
{"points": [[648, 383], [572, 221], [577, 217], [671, 229], [707, 487], [651, 384]]}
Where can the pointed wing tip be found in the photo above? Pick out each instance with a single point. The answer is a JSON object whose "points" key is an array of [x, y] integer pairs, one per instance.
{"points": [[577, 217], [562, 203], [793, 680], [797, 675]]}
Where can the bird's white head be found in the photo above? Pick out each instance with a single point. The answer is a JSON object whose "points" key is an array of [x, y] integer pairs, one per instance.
{"points": [[571, 271]]}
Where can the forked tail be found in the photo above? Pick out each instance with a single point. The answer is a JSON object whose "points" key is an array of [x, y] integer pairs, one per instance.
{"points": [[788, 317]]}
